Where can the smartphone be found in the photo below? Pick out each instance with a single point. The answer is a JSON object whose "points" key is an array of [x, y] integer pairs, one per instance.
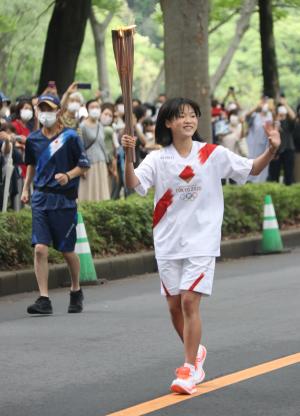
{"points": [[84, 86]]}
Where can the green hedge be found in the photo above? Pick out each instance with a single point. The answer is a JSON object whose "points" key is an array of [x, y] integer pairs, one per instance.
{"points": [[115, 227]]}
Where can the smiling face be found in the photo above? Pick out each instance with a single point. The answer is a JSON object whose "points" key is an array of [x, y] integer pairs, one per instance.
{"points": [[185, 125]]}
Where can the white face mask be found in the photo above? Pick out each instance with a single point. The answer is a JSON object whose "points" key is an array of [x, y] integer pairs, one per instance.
{"points": [[265, 108], [73, 107], [47, 118], [148, 113], [120, 108], [26, 114], [3, 112], [94, 113], [106, 120], [234, 120]]}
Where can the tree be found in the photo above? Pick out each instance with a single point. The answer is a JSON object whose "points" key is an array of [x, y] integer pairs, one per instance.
{"points": [[242, 26], [186, 54], [64, 39], [99, 29], [268, 51]]}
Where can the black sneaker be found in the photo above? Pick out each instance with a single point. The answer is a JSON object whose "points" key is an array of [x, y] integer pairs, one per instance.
{"points": [[42, 305], [76, 299]]}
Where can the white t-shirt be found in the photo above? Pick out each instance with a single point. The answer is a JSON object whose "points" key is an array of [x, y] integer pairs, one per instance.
{"points": [[188, 202]]}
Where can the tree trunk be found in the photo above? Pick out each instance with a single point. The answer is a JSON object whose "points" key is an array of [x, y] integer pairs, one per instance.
{"points": [[154, 90], [241, 27], [268, 52], [99, 31], [64, 40], [186, 54]]}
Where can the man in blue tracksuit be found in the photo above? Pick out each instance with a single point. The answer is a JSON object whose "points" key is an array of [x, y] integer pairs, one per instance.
{"points": [[55, 159]]}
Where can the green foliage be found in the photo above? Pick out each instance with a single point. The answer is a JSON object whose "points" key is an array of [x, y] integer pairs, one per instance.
{"points": [[245, 71], [115, 227]]}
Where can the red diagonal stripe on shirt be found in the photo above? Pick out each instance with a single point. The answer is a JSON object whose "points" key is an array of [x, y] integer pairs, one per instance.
{"points": [[162, 206], [205, 152], [196, 282]]}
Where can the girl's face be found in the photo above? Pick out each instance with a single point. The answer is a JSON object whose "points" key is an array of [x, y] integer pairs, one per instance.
{"points": [[185, 125]]}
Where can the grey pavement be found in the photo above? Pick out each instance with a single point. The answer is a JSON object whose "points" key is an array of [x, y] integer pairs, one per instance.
{"points": [[122, 350]]}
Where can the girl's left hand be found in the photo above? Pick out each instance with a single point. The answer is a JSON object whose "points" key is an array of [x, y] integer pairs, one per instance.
{"points": [[61, 178], [273, 136]]}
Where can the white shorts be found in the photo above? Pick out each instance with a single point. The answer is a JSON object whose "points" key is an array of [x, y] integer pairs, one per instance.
{"points": [[194, 274]]}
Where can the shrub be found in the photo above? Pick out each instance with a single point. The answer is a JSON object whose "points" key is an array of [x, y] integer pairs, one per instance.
{"points": [[115, 227]]}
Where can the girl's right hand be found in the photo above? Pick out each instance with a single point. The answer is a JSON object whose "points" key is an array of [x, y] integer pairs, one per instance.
{"points": [[128, 142]]}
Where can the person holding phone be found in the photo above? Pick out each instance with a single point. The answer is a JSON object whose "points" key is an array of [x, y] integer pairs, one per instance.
{"points": [[72, 102]]}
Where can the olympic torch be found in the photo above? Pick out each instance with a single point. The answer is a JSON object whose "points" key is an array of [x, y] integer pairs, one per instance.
{"points": [[123, 46]]}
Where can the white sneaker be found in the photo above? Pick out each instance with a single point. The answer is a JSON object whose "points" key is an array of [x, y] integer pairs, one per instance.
{"points": [[199, 372], [184, 382]]}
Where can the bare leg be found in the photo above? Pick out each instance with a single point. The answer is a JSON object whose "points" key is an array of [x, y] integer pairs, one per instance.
{"points": [[74, 267], [175, 309], [190, 302], [41, 268]]}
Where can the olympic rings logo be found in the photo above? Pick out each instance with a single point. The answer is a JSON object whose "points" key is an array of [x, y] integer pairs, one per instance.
{"points": [[189, 196]]}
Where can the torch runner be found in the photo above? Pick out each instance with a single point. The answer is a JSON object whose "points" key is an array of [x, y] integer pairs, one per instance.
{"points": [[123, 46]]}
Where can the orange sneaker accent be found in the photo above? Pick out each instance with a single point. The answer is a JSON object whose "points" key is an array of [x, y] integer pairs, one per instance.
{"points": [[183, 372]]}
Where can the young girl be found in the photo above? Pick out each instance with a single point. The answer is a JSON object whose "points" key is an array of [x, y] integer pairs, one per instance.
{"points": [[187, 218]]}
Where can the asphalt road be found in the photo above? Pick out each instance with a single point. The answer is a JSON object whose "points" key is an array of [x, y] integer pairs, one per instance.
{"points": [[123, 351]]}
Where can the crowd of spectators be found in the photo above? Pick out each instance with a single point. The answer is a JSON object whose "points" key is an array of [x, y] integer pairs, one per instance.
{"points": [[101, 124]]}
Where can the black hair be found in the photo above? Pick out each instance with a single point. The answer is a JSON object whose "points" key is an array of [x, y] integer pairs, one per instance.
{"points": [[93, 100], [137, 100], [119, 100], [109, 106], [169, 111], [150, 107], [139, 111], [148, 122], [16, 110]]}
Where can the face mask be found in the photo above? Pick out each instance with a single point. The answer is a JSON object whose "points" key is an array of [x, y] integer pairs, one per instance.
{"points": [[3, 112], [94, 113], [106, 120], [73, 107], [149, 135], [234, 120], [26, 114], [265, 108], [47, 118], [148, 113], [120, 108]]}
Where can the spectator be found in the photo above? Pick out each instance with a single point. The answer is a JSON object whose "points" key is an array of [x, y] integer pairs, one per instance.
{"points": [[286, 154], [7, 144], [71, 103], [94, 184], [23, 122], [296, 135], [257, 139], [111, 142], [4, 107]]}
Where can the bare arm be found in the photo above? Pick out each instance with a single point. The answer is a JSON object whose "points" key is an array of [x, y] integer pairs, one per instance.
{"points": [[28, 181], [131, 180], [265, 158], [6, 146]]}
